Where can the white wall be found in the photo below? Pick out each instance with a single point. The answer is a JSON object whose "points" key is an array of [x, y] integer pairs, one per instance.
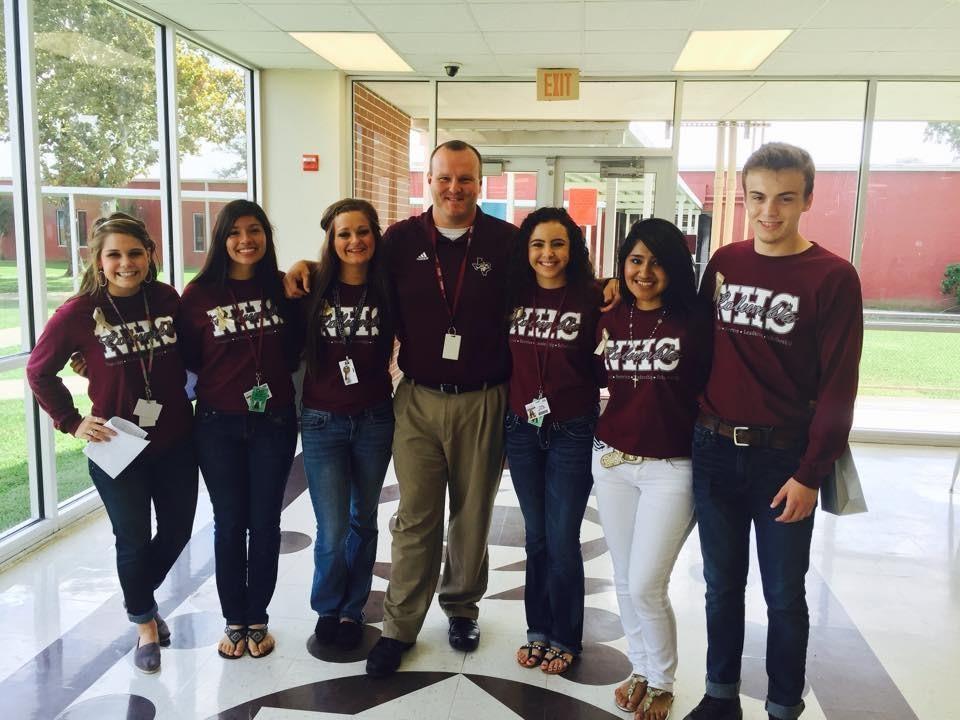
{"points": [[302, 111]]}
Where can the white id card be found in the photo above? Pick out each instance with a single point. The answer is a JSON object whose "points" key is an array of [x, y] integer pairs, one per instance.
{"points": [[348, 372], [147, 411], [451, 346], [537, 410]]}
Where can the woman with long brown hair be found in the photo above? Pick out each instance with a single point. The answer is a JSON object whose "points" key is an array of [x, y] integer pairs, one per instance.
{"points": [[347, 420], [122, 321]]}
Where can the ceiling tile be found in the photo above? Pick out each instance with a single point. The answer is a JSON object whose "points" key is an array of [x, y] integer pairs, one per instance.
{"points": [[306, 18], [907, 63], [625, 15], [629, 63], [529, 16], [215, 16], [624, 41], [473, 65], [824, 63], [291, 61], [871, 13], [523, 43], [452, 44], [752, 14], [404, 17], [240, 42], [868, 40], [527, 64]]}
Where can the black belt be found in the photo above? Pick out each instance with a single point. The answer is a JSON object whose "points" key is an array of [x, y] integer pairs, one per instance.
{"points": [[451, 388], [761, 437]]}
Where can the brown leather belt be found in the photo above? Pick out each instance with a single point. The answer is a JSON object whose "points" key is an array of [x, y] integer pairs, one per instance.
{"points": [[760, 437]]}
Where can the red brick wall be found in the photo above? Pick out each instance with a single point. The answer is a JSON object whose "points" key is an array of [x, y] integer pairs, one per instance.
{"points": [[381, 155]]}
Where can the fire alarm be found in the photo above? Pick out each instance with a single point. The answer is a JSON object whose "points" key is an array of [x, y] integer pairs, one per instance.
{"points": [[310, 163]]}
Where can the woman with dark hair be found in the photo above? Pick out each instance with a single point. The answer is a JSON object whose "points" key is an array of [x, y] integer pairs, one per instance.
{"points": [[347, 420], [549, 426], [122, 324], [239, 337], [655, 348]]}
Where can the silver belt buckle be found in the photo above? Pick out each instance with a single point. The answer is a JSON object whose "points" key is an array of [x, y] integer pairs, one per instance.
{"points": [[737, 441]]}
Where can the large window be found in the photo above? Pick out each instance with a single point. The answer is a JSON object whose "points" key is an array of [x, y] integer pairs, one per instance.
{"points": [[212, 139], [95, 99], [723, 122]]}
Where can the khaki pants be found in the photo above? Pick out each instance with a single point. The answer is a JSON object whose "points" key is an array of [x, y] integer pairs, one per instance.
{"points": [[442, 441]]}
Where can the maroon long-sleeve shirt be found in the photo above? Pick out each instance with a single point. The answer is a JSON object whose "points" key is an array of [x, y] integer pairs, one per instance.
{"points": [[221, 329], [788, 332], [654, 416], [113, 363], [561, 346], [422, 315], [368, 351]]}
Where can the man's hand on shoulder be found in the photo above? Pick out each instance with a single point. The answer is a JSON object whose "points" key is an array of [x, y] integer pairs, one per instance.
{"points": [[296, 281], [798, 501], [611, 295]]}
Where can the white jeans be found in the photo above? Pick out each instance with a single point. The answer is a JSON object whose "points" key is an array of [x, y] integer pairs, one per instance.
{"points": [[646, 509]]}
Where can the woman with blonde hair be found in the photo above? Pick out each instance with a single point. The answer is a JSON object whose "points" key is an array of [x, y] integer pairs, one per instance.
{"points": [[122, 321]]}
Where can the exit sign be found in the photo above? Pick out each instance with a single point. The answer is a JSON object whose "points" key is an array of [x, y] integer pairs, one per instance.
{"points": [[558, 84]]}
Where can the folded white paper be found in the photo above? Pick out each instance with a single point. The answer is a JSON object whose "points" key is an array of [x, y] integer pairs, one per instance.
{"points": [[115, 455]]}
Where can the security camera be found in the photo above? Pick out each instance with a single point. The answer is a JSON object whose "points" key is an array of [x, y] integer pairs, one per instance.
{"points": [[452, 68]]}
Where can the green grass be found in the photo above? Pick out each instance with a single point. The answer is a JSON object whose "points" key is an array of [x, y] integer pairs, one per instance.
{"points": [[900, 363]]}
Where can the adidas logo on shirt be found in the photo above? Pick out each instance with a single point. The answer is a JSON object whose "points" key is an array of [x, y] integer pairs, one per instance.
{"points": [[422, 256]]}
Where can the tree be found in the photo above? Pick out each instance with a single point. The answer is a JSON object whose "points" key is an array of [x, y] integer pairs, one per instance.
{"points": [[944, 132], [97, 95]]}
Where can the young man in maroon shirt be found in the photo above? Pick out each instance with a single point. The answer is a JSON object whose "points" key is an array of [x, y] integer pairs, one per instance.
{"points": [[776, 413]]}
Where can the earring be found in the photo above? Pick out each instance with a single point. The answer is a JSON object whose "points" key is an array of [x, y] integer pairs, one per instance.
{"points": [[150, 277], [101, 278]]}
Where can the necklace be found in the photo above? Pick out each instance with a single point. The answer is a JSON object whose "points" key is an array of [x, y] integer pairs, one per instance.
{"points": [[659, 322]]}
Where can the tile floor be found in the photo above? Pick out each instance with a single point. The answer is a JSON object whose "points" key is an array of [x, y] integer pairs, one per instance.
{"points": [[884, 593]]}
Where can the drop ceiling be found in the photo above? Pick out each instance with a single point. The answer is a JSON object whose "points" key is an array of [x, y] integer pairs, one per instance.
{"points": [[601, 37]]}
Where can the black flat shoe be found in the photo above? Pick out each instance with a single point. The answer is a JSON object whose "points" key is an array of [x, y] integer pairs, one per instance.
{"points": [[163, 632], [326, 629], [385, 657], [464, 634], [349, 635], [146, 658]]}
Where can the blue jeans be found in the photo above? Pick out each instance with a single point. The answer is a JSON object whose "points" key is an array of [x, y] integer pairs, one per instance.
{"points": [[245, 459], [168, 480], [550, 469], [346, 459], [733, 487]]}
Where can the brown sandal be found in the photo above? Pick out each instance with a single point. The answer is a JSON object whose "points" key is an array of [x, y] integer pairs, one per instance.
{"points": [[535, 651], [567, 658], [662, 698], [635, 680]]}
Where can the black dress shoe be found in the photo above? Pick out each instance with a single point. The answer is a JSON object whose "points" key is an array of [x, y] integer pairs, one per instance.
{"points": [[163, 632], [385, 656], [349, 635], [464, 634], [711, 708], [146, 658], [326, 629]]}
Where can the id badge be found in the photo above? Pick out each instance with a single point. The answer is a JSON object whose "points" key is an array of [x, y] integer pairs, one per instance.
{"points": [[451, 346], [537, 410], [257, 397], [147, 411], [348, 372]]}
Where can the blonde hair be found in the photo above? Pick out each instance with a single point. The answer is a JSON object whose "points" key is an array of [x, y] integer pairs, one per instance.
{"points": [[116, 224]]}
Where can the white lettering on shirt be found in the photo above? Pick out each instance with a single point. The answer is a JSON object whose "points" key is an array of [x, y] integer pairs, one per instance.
{"points": [[540, 324], [652, 354], [757, 307]]}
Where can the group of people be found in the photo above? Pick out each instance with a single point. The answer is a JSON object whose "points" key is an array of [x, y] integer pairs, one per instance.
{"points": [[727, 407]]}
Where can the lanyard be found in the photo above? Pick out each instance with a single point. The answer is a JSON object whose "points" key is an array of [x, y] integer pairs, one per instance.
{"points": [[338, 320], [542, 367], [452, 309], [133, 340], [256, 351]]}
